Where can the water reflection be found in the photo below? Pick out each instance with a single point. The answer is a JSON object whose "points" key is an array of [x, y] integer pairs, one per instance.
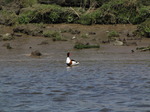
{"points": [[69, 68]]}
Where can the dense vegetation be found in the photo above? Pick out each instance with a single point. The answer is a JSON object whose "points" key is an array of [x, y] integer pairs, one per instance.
{"points": [[144, 28], [85, 12]]}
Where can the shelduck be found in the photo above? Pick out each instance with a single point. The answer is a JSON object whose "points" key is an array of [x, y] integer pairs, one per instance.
{"points": [[71, 62]]}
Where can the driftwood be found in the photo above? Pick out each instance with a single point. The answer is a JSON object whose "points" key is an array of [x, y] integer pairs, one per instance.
{"points": [[143, 48], [75, 12]]}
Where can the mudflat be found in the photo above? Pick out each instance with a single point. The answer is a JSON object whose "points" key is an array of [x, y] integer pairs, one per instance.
{"points": [[24, 44]]}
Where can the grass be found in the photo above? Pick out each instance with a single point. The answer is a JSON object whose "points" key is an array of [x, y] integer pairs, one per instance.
{"points": [[7, 17], [144, 28], [56, 36], [113, 34], [84, 36]]}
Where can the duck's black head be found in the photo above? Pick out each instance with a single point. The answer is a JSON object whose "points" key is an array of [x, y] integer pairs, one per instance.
{"points": [[68, 54]]}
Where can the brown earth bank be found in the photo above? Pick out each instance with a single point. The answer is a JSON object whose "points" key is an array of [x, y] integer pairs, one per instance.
{"points": [[25, 43]]}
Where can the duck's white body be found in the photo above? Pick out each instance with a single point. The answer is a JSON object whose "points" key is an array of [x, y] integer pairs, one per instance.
{"points": [[70, 62]]}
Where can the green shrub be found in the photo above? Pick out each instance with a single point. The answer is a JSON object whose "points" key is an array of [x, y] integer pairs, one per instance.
{"points": [[109, 12], [113, 34], [70, 19], [26, 17], [56, 36], [143, 14], [144, 29], [51, 34], [8, 18], [46, 14], [8, 1], [87, 19], [68, 15], [122, 11], [84, 35], [144, 2], [54, 16], [27, 3]]}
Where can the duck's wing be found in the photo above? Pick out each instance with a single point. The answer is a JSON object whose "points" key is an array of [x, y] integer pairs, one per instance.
{"points": [[74, 62]]}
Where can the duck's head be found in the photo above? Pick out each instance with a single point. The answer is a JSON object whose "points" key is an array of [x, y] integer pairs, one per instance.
{"points": [[68, 54]]}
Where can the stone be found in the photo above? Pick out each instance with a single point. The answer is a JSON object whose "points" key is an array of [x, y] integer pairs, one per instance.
{"points": [[36, 53]]}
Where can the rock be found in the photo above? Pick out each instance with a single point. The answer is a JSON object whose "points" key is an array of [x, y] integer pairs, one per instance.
{"points": [[105, 42], [43, 43], [75, 32], [19, 29], [92, 33], [132, 51], [73, 37], [7, 45], [6, 36], [36, 53], [118, 43]]}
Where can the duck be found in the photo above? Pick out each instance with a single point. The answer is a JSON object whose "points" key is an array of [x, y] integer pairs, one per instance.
{"points": [[71, 62]]}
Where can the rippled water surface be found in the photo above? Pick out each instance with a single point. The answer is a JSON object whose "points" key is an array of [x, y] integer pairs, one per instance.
{"points": [[93, 86]]}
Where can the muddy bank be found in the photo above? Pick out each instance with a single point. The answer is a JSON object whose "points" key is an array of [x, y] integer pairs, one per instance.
{"points": [[72, 31], [23, 44]]}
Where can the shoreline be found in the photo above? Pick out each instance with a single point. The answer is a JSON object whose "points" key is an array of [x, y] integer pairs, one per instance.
{"points": [[21, 46]]}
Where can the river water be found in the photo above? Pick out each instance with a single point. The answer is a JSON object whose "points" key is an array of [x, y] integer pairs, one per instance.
{"points": [[98, 84]]}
